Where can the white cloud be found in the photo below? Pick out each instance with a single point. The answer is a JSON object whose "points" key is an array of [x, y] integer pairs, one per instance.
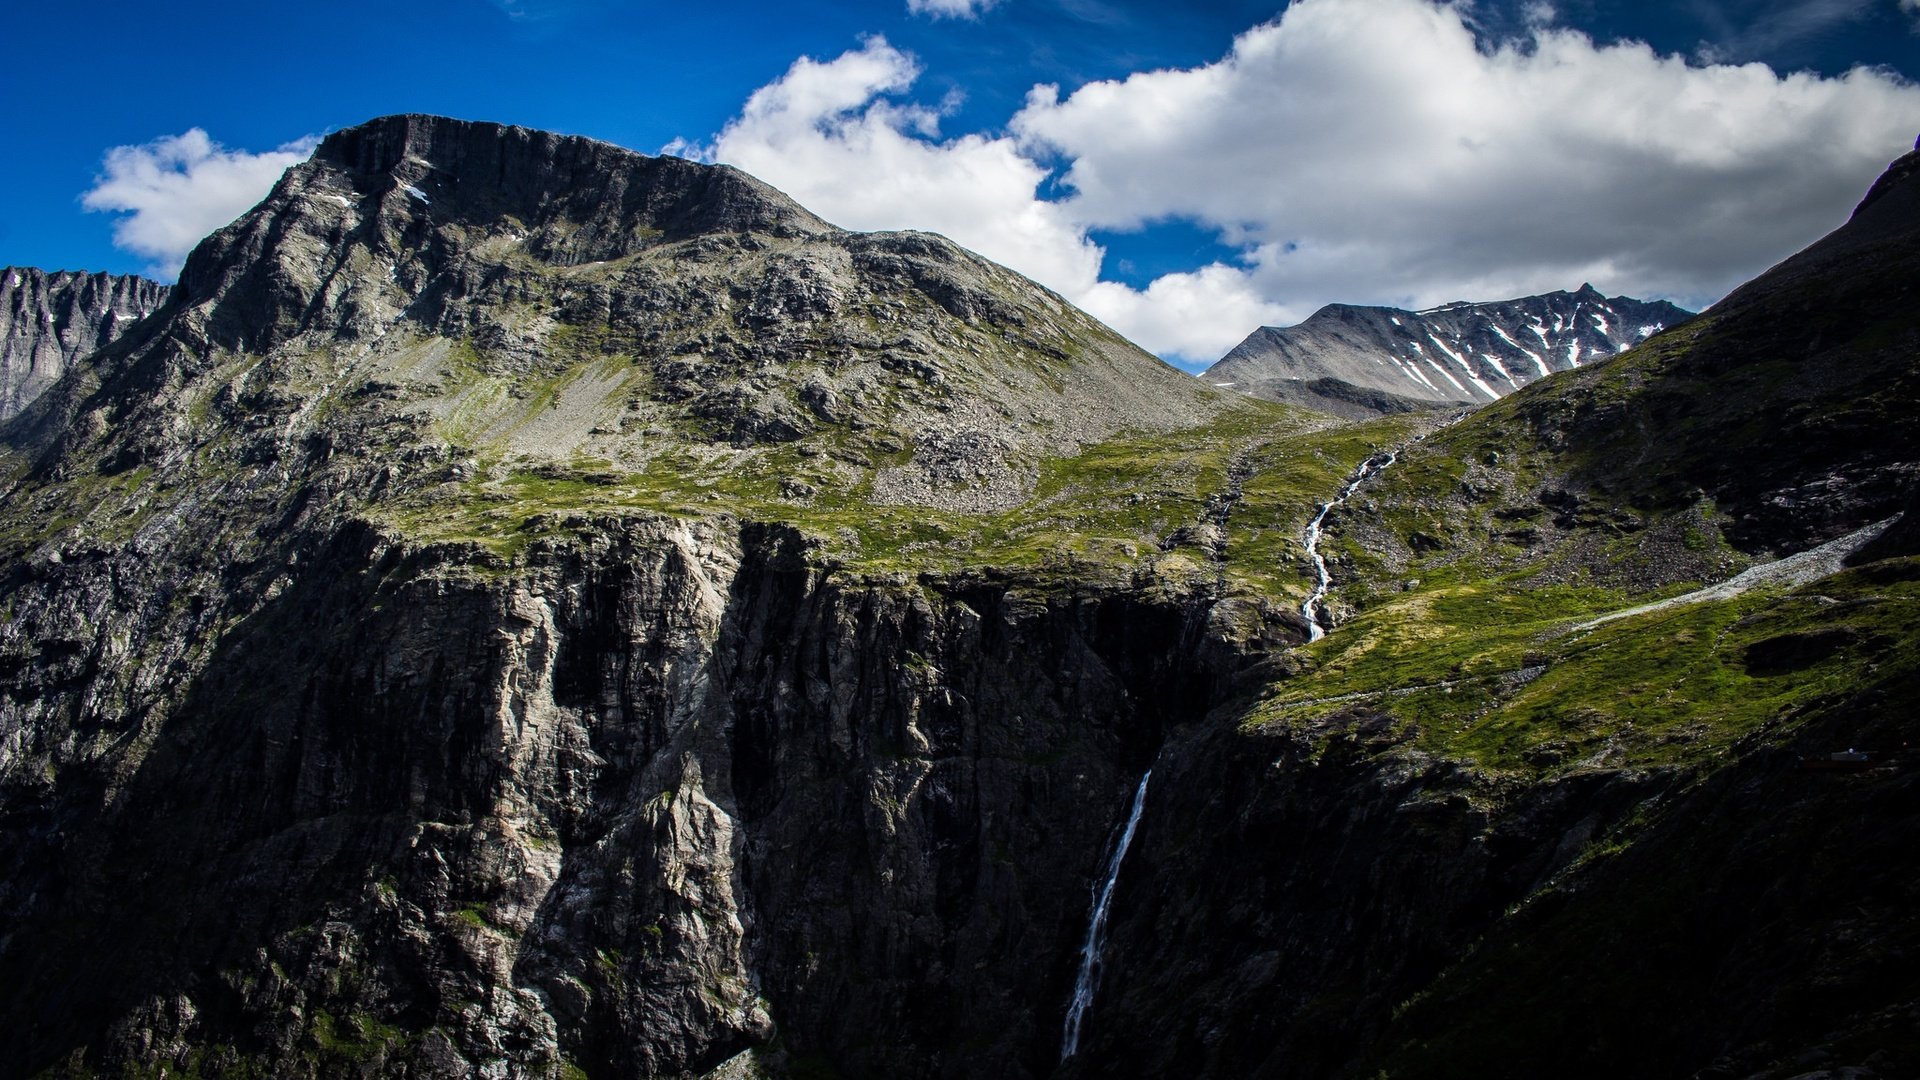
{"points": [[179, 188], [1197, 315], [826, 134], [829, 135], [1365, 151], [1369, 151], [953, 9]]}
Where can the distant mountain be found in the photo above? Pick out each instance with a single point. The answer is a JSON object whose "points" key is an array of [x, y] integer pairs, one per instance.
{"points": [[1461, 352], [49, 320]]}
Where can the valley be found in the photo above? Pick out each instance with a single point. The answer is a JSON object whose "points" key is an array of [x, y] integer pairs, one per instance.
{"points": [[523, 608]]}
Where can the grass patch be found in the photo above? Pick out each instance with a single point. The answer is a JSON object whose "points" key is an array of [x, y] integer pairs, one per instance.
{"points": [[1490, 673], [1118, 505]]}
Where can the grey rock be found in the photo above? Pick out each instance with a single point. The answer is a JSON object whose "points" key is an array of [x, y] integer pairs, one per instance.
{"points": [[52, 321], [1372, 360]]}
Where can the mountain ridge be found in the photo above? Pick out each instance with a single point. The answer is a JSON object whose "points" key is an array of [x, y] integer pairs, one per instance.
{"points": [[51, 320], [1457, 353]]}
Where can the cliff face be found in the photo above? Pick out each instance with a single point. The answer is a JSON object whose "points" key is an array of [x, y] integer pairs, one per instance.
{"points": [[625, 808], [50, 321], [310, 761]]}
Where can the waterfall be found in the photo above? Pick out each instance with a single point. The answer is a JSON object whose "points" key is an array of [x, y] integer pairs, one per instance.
{"points": [[1095, 945], [1312, 609]]}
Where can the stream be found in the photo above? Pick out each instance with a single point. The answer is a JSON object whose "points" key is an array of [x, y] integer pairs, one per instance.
{"points": [[1314, 609]]}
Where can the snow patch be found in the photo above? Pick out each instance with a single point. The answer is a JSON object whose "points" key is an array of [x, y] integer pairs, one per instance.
{"points": [[1415, 374], [1573, 353], [416, 193], [1443, 374], [1523, 350]]}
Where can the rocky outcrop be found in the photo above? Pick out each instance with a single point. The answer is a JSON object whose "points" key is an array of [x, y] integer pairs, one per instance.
{"points": [[51, 321], [748, 320], [1460, 353]]}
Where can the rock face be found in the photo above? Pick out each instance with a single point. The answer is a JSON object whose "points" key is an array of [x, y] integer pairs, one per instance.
{"points": [[1470, 353], [527, 609], [294, 779], [50, 321]]}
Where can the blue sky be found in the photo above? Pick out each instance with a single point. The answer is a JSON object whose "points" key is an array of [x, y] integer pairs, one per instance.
{"points": [[1240, 184]]}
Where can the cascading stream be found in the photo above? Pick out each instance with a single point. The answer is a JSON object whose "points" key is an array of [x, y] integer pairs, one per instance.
{"points": [[1314, 610], [1091, 951]]}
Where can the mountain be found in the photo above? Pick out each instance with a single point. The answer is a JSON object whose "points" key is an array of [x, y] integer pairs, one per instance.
{"points": [[480, 623], [1745, 917], [1460, 352], [529, 609], [48, 321]]}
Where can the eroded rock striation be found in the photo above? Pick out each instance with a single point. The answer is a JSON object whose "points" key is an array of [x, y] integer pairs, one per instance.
{"points": [[51, 321]]}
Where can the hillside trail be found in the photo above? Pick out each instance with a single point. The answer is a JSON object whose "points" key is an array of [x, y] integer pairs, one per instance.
{"points": [[1794, 570]]}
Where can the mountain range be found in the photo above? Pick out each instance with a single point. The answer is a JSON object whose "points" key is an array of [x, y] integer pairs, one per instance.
{"points": [[524, 608], [1359, 361]]}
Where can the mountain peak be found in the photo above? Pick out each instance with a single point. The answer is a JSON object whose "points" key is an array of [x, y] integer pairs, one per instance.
{"points": [[1353, 360], [549, 297], [423, 200], [519, 170]]}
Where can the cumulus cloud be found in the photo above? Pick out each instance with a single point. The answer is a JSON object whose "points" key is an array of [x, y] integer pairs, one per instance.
{"points": [[179, 188], [1371, 150], [1365, 151], [954, 9], [827, 134], [831, 135]]}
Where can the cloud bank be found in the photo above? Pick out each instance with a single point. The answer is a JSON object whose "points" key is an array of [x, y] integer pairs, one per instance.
{"points": [[179, 188], [1366, 151]]}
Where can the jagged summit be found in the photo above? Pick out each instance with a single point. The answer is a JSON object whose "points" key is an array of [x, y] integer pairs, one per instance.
{"points": [[50, 320], [1355, 360]]}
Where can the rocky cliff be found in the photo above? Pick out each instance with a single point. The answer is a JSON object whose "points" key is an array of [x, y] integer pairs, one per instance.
{"points": [[532, 610], [1357, 361], [50, 321]]}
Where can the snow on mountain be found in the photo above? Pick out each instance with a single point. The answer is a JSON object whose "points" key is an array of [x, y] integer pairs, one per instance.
{"points": [[1459, 352]]}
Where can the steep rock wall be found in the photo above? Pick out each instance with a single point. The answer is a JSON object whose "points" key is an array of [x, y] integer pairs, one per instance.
{"points": [[664, 792]]}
